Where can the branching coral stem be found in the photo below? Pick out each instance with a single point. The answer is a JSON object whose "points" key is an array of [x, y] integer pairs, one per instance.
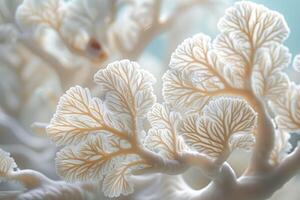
{"points": [[159, 26]]}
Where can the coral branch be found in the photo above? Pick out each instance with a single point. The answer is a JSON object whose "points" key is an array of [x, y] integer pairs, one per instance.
{"points": [[201, 161], [160, 164], [29, 178], [11, 126], [159, 26], [52, 62], [265, 137], [249, 187]]}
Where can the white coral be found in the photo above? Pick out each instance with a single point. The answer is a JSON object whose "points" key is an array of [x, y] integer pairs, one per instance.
{"points": [[220, 94]]}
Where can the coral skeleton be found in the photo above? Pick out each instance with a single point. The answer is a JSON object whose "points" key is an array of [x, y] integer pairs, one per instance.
{"points": [[219, 95]]}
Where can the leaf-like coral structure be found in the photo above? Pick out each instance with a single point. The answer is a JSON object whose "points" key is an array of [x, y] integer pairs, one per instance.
{"points": [[196, 74], [128, 90], [91, 161], [7, 164], [254, 25], [102, 136], [116, 182], [247, 53], [162, 137], [267, 79], [162, 141], [245, 28], [287, 109], [77, 115], [223, 125]]}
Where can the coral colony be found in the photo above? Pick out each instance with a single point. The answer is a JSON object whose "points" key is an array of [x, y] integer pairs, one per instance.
{"points": [[219, 95]]}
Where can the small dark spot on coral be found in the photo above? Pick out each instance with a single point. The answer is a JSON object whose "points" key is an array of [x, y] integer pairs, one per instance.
{"points": [[94, 44]]}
